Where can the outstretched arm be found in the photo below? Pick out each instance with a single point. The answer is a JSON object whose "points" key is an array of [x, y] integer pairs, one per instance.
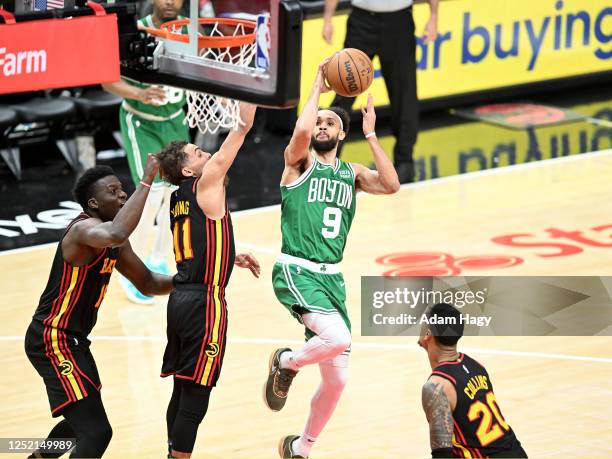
{"points": [[216, 168], [210, 192], [153, 95], [384, 179], [297, 150], [99, 235], [149, 283], [439, 416]]}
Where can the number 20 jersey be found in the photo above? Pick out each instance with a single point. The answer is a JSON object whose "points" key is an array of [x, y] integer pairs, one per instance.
{"points": [[317, 211], [480, 429]]}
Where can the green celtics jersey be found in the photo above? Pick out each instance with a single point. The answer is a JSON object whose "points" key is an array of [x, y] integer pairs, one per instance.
{"points": [[175, 97], [317, 212]]}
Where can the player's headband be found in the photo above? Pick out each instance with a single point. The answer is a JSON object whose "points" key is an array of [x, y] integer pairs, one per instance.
{"points": [[337, 116]]}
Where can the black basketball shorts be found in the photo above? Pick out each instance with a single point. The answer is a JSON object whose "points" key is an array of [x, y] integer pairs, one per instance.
{"points": [[197, 326], [64, 362]]}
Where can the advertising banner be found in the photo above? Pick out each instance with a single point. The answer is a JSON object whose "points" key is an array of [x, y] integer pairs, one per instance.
{"points": [[457, 149], [488, 44], [58, 53]]}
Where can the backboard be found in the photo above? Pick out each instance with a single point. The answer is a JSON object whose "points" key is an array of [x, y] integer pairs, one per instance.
{"points": [[270, 78]]}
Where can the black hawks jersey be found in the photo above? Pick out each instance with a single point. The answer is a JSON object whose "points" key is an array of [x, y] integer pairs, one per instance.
{"points": [[73, 294], [203, 248], [480, 428]]}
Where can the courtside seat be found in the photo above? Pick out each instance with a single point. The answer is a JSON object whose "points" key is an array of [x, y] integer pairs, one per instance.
{"points": [[48, 117], [43, 110], [8, 117], [94, 104], [8, 120], [98, 112]]}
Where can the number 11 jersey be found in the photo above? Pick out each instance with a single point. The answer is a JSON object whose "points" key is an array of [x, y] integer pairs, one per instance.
{"points": [[203, 248]]}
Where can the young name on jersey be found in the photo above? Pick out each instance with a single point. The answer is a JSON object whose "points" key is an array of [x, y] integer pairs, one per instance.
{"points": [[180, 208]]}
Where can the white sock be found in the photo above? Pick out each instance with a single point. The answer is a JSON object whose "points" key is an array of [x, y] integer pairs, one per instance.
{"points": [[303, 445], [287, 361], [332, 338], [334, 375]]}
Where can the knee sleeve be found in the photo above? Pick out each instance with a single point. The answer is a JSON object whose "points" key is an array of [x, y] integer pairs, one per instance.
{"points": [[341, 339], [93, 441], [331, 329], [101, 434], [90, 424], [194, 402], [60, 430], [192, 409]]}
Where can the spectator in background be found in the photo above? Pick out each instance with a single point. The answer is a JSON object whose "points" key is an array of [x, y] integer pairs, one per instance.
{"points": [[386, 28], [150, 118]]}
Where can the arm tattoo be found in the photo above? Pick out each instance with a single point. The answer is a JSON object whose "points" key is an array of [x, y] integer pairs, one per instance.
{"points": [[438, 415]]}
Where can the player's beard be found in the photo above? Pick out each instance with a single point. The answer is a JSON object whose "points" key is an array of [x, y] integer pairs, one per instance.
{"points": [[323, 146]]}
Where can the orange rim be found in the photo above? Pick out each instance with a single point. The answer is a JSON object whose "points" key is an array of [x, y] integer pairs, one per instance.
{"points": [[165, 33]]}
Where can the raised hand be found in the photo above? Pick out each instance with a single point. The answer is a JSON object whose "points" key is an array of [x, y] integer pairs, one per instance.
{"points": [[153, 95], [320, 80], [369, 116], [150, 169], [247, 115]]}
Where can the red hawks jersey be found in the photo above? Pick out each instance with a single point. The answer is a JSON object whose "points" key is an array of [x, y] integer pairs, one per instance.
{"points": [[73, 294], [480, 428], [203, 248]]}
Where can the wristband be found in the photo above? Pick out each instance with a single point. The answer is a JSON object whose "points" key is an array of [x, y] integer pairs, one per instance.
{"points": [[145, 184], [371, 134]]}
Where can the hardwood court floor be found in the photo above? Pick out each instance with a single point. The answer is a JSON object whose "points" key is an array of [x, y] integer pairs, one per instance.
{"points": [[554, 391]]}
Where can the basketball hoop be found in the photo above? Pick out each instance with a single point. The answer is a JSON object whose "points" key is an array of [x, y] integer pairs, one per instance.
{"points": [[230, 42]]}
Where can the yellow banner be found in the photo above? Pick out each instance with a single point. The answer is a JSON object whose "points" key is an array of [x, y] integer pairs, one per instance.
{"points": [[487, 44], [474, 147]]}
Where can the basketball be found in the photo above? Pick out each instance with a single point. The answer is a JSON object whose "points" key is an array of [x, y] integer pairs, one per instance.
{"points": [[350, 72]]}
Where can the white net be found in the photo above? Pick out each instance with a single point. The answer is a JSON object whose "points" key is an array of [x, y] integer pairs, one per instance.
{"points": [[209, 112]]}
